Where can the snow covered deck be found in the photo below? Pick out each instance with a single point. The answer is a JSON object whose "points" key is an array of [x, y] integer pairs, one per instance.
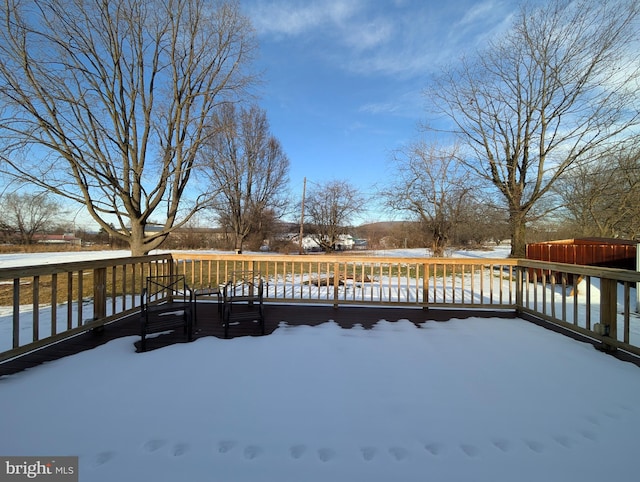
{"points": [[376, 394], [209, 324]]}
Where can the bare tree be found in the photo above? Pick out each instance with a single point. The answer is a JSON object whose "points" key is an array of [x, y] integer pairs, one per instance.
{"points": [[560, 86], [432, 185], [248, 170], [106, 102], [603, 198], [28, 214], [329, 209]]}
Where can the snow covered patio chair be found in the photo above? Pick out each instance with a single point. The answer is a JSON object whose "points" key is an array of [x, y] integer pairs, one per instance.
{"points": [[243, 300], [167, 304]]}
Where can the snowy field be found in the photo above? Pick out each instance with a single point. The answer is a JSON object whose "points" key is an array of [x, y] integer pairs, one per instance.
{"points": [[464, 400], [33, 259]]}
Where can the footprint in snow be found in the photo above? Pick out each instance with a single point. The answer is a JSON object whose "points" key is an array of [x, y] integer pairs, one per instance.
{"points": [[399, 453], [326, 454], [470, 450], [433, 448], [563, 440], [180, 449], [368, 453], [153, 445], [593, 419], [502, 444], [537, 447], [612, 415], [251, 452], [103, 458], [297, 451], [225, 446], [589, 435]]}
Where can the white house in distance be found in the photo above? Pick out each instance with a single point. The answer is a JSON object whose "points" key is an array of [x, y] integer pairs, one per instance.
{"points": [[67, 238], [343, 243]]}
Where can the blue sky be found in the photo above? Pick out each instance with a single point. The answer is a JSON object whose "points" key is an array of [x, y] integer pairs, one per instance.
{"points": [[343, 79]]}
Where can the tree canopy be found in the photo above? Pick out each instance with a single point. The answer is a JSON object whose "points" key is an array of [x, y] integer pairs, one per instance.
{"points": [[247, 170], [329, 209], [106, 103], [560, 87]]}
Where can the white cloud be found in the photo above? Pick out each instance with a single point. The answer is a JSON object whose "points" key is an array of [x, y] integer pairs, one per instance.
{"points": [[294, 18], [400, 38], [368, 35], [407, 104], [347, 22], [481, 23], [478, 12]]}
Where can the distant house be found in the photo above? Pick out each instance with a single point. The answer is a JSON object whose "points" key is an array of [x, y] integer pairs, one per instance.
{"points": [[360, 243], [344, 242], [67, 238]]}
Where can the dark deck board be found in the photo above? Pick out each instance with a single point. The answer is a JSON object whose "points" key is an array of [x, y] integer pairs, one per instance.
{"points": [[208, 324]]}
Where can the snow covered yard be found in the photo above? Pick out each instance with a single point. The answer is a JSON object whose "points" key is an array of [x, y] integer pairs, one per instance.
{"points": [[464, 400]]}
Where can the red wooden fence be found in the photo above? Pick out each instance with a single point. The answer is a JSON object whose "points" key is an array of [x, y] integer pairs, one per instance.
{"points": [[609, 253]]}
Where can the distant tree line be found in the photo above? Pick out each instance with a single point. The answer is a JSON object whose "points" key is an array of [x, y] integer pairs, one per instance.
{"points": [[28, 217]]}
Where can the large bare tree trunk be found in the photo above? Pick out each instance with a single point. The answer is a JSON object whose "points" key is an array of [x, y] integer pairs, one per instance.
{"points": [[518, 227]]}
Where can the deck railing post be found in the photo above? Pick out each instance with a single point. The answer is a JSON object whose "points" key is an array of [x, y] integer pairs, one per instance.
{"points": [[638, 282], [425, 286], [336, 283], [99, 293], [609, 311], [519, 288], [16, 312]]}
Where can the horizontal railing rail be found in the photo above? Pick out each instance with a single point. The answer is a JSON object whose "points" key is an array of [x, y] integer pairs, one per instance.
{"points": [[40, 305]]}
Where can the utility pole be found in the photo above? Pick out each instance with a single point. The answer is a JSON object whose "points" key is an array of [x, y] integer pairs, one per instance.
{"points": [[304, 190]]}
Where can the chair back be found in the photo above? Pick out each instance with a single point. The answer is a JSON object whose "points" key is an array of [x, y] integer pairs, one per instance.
{"points": [[244, 284], [168, 288]]}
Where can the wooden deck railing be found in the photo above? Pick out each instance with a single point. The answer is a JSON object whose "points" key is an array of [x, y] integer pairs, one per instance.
{"points": [[596, 302], [365, 280], [40, 305]]}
